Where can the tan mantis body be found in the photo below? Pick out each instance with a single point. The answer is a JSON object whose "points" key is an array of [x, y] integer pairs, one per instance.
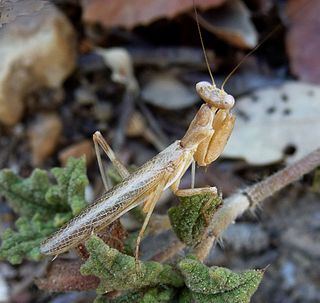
{"points": [[202, 143]]}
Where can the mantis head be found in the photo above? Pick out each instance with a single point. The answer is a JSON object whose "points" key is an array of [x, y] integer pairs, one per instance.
{"points": [[214, 96], [210, 129]]}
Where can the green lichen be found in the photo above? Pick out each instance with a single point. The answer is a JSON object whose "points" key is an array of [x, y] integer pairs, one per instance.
{"points": [[190, 218], [42, 206], [218, 284], [118, 271]]}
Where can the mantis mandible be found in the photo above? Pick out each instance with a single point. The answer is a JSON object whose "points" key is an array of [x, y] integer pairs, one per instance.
{"points": [[203, 143]]}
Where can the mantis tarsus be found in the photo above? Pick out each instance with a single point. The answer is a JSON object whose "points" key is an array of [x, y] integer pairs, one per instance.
{"points": [[203, 143]]}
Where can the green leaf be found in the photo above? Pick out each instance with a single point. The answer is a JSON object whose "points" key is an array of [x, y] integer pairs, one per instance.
{"points": [[25, 242], [42, 205], [26, 196], [118, 271], [185, 296], [152, 295], [190, 218], [218, 284], [114, 176], [127, 297], [158, 295], [72, 181]]}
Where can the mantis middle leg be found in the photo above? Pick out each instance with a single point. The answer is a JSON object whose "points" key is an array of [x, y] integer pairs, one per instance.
{"points": [[98, 140]]}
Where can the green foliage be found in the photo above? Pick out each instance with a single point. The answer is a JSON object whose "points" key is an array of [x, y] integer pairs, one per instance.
{"points": [[71, 183], [152, 282], [130, 243], [43, 206], [218, 284], [151, 295], [114, 176], [119, 272], [25, 242], [190, 218], [127, 297]]}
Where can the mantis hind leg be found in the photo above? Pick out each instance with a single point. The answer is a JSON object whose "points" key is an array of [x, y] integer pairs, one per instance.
{"points": [[98, 140], [152, 199]]}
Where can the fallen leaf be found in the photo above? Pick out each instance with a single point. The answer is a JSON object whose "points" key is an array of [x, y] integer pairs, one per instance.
{"points": [[139, 12], [302, 41], [276, 123], [77, 150], [64, 275], [231, 22], [119, 61], [166, 91]]}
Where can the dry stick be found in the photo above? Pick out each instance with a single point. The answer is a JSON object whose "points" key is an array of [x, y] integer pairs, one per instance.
{"points": [[250, 197], [127, 109], [169, 252]]}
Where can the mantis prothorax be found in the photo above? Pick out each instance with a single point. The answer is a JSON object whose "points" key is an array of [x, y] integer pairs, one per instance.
{"points": [[203, 143]]}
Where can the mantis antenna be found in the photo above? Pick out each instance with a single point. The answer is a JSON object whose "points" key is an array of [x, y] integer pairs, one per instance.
{"points": [[202, 44], [246, 56], [250, 53]]}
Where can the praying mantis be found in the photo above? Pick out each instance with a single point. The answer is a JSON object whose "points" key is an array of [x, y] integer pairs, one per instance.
{"points": [[202, 144]]}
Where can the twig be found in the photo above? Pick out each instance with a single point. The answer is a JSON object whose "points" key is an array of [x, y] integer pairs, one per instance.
{"points": [[162, 138], [237, 204], [126, 111], [169, 252], [168, 56]]}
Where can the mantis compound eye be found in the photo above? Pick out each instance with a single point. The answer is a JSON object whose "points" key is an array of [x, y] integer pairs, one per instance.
{"points": [[214, 96]]}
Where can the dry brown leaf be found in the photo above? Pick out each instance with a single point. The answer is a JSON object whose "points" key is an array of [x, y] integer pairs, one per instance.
{"points": [[276, 123], [64, 275], [231, 23], [76, 150], [139, 12], [303, 40]]}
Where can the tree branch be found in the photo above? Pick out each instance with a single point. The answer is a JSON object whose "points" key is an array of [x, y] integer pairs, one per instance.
{"points": [[250, 197]]}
